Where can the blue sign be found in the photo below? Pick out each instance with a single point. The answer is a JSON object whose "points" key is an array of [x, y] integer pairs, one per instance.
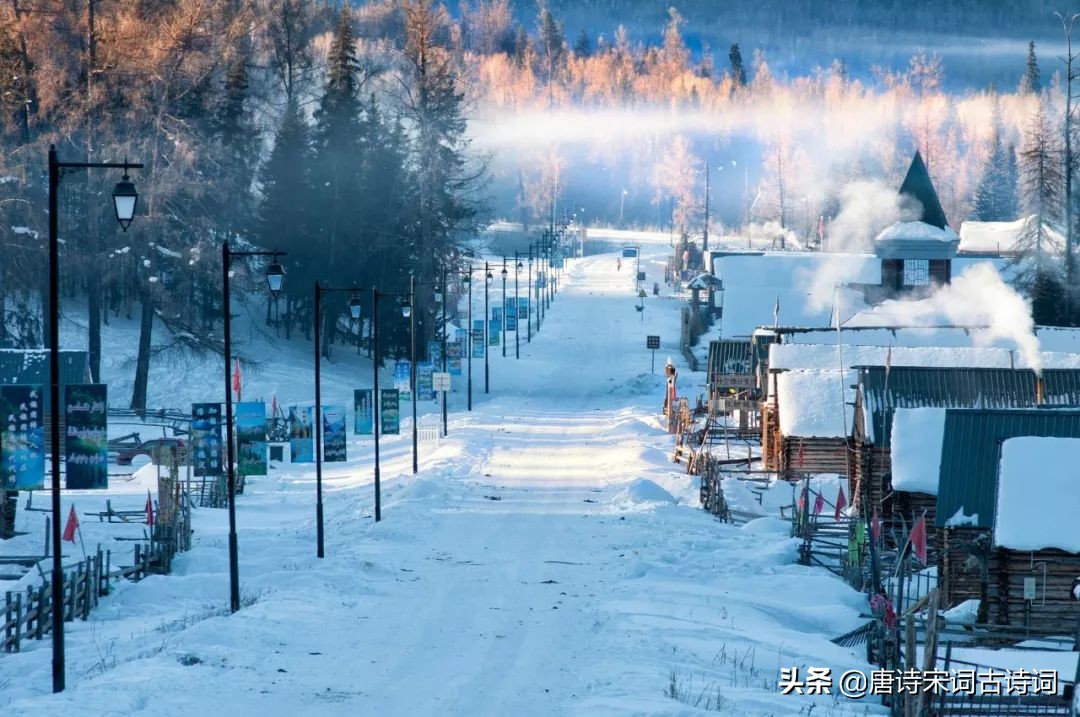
{"points": [[478, 338], [629, 252], [333, 435], [523, 308], [403, 379], [425, 390], [301, 435], [23, 437], [364, 405]]}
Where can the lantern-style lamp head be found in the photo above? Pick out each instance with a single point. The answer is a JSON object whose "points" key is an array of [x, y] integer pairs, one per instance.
{"points": [[125, 198], [489, 278], [406, 307], [504, 272], [275, 276], [354, 307]]}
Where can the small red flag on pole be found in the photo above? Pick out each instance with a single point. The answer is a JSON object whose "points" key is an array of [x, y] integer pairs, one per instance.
{"points": [[841, 503], [236, 380], [149, 510], [875, 526], [819, 503], [72, 526], [918, 538]]}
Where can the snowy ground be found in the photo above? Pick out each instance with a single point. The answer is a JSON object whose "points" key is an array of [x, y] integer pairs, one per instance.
{"points": [[549, 559]]}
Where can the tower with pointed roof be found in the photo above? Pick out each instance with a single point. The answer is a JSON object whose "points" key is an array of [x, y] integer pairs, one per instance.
{"points": [[916, 252]]}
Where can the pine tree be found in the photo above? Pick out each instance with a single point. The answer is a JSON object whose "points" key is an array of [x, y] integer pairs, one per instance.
{"points": [[1048, 297], [235, 144], [583, 46], [1031, 83], [738, 70], [336, 142], [1041, 194], [995, 195]]}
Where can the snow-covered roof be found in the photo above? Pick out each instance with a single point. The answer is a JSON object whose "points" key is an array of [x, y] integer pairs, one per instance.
{"points": [[1038, 496], [1005, 237], [916, 231], [786, 357], [917, 434], [704, 281], [809, 403], [803, 282]]}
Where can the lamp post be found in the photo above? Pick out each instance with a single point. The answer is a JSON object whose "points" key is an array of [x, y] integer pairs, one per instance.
{"points": [[125, 199], [275, 275], [506, 317], [442, 331], [406, 311], [517, 307], [487, 328], [466, 279], [354, 315], [409, 312], [528, 297]]}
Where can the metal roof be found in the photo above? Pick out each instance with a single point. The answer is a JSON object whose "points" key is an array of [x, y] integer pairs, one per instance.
{"points": [[729, 356], [971, 449], [31, 367], [918, 387]]}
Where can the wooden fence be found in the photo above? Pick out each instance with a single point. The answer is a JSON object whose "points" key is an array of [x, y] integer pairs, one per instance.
{"points": [[27, 614]]}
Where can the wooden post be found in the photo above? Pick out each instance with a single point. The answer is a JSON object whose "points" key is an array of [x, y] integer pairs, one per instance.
{"points": [[909, 660], [930, 650]]}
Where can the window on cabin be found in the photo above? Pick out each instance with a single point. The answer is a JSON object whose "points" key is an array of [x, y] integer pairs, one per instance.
{"points": [[916, 272]]}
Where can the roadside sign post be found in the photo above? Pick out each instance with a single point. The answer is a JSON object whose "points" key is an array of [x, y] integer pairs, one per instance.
{"points": [[641, 304], [440, 382], [653, 343]]}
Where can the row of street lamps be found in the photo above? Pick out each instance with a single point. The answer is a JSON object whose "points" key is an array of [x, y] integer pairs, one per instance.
{"points": [[125, 200]]}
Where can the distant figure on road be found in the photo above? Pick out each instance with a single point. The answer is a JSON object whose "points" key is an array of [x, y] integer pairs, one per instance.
{"points": [[618, 263], [656, 288]]}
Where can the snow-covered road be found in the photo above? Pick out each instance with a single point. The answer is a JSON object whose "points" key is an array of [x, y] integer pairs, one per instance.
{"points": [[549, 559]]}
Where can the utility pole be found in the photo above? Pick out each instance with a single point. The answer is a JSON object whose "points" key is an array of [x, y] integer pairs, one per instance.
{"points": [[705, 240]]}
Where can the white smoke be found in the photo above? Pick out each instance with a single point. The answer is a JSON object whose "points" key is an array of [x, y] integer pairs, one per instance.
{"points": [[866, 208], [977, 298]]}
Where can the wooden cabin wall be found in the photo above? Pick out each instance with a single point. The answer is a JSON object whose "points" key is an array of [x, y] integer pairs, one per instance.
{"points": [[820, 455], [770, 437], [960, 572], [1059, 613], [870, 468]]}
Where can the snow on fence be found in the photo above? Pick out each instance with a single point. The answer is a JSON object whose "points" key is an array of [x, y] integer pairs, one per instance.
{"points": [[28, 614]]}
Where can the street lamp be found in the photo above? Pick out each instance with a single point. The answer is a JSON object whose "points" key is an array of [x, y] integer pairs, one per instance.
{"points": [[622, 202], [528, 294], [124, 200], [354, 314], [506, 318], [377, 407], [466, 281], [487, 327], [275, 275], [517, 306]]}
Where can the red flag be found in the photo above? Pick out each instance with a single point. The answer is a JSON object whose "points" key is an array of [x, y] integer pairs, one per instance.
{"points": [[875, 526], [819, 503], [72, 526], [236, 380], [918, 538], [149, 510], [841, 503], [800, 455]]}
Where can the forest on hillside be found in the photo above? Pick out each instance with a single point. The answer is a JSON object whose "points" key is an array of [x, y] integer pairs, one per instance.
{"points": [[372, 141]]}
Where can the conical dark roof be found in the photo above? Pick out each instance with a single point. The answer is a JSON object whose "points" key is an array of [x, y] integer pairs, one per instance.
{"points": [[918, 186]]}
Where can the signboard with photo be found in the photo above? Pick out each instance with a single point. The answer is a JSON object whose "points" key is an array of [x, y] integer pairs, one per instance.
{"points": [[493, 332], [389, 411], [301, 438], [333, 434], [523, 308], [403, 379], [364, 407], [478, 338], [22, 437], [434, 352], [86, 445], [453, 358], [511, 314], [206, 445], [251, 438]]}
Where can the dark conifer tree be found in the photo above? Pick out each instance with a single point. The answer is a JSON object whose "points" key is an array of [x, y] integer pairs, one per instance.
{"points": [[738, 69]]}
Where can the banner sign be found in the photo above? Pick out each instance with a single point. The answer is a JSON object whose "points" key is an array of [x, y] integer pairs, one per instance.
{"points": [[301, 442], [206, 440], [402, 379], [523, 308], [425, 391], [511, 314], [434, 352], [364, 406], [453, 358], [558, 261], [478, 338], [441, 382], [86, 444], [540, 282], [652, 342], [251, 438], [333, 434], [629, 252], [493, 332], [389, 411], [22, 437]]}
